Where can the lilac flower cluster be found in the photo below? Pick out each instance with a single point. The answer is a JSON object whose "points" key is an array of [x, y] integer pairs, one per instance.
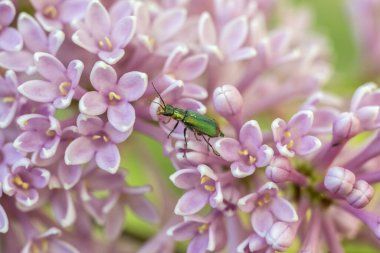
{"points": [[75, 84]]}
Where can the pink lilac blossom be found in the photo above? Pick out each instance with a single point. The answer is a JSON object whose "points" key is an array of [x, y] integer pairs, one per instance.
{"points": [[80, 81]]}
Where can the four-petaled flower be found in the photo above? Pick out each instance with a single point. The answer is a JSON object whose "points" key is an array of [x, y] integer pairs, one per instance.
{"points": [[114, 96], [246, 154], [291, 138]]}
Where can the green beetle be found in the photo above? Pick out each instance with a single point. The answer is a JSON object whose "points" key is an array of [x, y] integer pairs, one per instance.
{"points": [[199, 124]]}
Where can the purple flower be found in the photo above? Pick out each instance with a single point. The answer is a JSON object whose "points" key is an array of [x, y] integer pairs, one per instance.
{"points": [[35, 40], [206, 233], [158, 34], [110, 211], [4, 222], [99, 35], [24, 180], [97, 139], [41, 135], [227, 46], [339, 181], [361, 194], [8, 156], [48, 242], [114, 96], [53, 14], [291, 138], [60, 84], [10, 99], [267, 208], [246, 154], [10, 38], [203, 187]]}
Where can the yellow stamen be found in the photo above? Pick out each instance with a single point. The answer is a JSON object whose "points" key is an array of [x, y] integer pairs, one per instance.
{"points": [[105, 138], [290, 144], [35, 249], [209, 188], [18, 181], [50, 11], [50, 133], [96, 137], [243, 152], [252, 160], [203, 228], [8, 99], [112, 95], [288, 134], [205, 179], [25, 186], [108, 41], [45, 245], [62, 88]]}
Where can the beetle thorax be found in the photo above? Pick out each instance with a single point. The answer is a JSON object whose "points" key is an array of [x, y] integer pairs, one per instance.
{"points": [[168, 110]]}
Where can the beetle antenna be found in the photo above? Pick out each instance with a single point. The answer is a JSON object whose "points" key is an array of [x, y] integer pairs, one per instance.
{"points": [[159, 95], [152, 101]]}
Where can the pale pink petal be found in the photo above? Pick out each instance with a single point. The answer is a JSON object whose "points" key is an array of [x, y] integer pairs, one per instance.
{"points": [[49, 67], [192, 67], [168, 23], [10, 39], [186, 178], [191, 202], [103, 77], [79, 151], [234, 34], [108, 158], [301, 122], [83, 39], [93, 103], [97, 20], [133, 85], [206, 30], [283, 210], [261, 221], [228, 148], [39, 91], [123, 31], [122, 116]]}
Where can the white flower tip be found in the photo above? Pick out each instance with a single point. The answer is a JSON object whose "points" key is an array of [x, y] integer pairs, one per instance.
{"points": [[24, 16], [58, 35], [170, 231]]}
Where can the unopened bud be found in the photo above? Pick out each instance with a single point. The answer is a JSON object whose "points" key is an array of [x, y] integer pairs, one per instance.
{"points": [[345, 127], [280, 171], [227, 100], [280, 236], [340, 181], [361, 194]]}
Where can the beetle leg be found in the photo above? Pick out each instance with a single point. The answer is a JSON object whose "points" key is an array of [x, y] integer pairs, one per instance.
{"points": [[184, 135], [209, 145], [195, 135], [175, 126]]}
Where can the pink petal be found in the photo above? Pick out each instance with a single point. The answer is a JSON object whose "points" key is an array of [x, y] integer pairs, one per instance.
{"points": [[55, 40], [191, 202], [307, 145], [8, 13], [17, 61], [115, 222], [234, 34], [241, 170], [88, 125], [69, 175], [84, 39], [72, 9], [122, 116], [184, 231], [4, 223], [283, 210], [103, 77], [168, 24], [79, 151], [63, 207], [27, 198], [115, 135], [264, 155], [228, 148], [93, 103], [111, 57], [29, 141], [143, 208], [39, 91], [278, 129], [97, 20], [10, 39], [206, 30], [123, 31], [108, 158], [35, 38], [198, 244], [186, 178], [242, 54], [133, 85], [250, 135], [192, 67], [301, 122], [50, 67], [261, 220]]}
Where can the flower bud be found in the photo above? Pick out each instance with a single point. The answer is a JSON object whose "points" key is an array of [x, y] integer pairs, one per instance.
{"points": [[345, 127], [280, 236], [339, 180], [280, 171], [227, 100], [360, 195]]}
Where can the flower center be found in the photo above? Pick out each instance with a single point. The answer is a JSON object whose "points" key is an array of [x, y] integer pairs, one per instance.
{"points": [[290, 142], [251, 159], [8, 99], [19, 182], [50, 11], [105, 43], [100, 137], [63, 88], [263, 200], [112, 96], [207, 183], [203, 228]]}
